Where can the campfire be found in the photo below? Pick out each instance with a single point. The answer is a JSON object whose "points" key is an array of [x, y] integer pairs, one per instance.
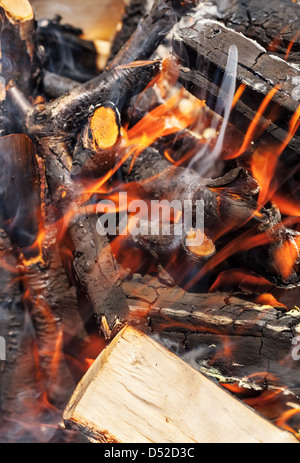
{"points": [[150, 223]]}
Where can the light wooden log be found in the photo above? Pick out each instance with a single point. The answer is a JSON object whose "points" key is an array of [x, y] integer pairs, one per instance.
{"points": [[139, 392]]}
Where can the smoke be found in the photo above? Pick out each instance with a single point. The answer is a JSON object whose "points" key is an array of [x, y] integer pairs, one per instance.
{"points": [[205, 162]]}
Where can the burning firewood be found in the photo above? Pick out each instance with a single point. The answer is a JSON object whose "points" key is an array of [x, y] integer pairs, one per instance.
{"points": [[95, 151], [141, 45], [134, 130], [273, 24], [63, 51], [229, 206], [55, 86], [220, 332], [203, 50], [139, 412], [19, 58], [135, 10], [152, 30], [39, 266], [94, 264]]}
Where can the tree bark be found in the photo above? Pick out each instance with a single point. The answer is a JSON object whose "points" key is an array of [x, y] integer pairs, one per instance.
{"points": [[273, 24], [19, 59], [204, 50]]}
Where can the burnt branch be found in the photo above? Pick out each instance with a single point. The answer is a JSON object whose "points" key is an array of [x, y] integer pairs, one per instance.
{"points": [[96, 270], [64, 52], [135, 10], [19, 58], [152, 30], [230, 208]]}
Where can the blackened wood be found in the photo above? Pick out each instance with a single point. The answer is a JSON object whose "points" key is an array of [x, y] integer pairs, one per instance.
{"points": [[121, 86], [94, 264], [135, 10], [64, 52], [20, 193], [52, 304], [230, 206], [152, 30], [204, 50], [12, 320], [153, 175], [219, 332], [55, 86], [273, 24], [19, 60], [67, 114]]}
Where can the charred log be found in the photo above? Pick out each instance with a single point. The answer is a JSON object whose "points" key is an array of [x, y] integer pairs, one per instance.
{"points": [[204, 50], [54, 86], [211, 330], [67, 114], [273, 24], [94, 265], [152, 30], [20, 213], [135, 10], [19, 58], [230, 208], [64, 52], [96, 147]]}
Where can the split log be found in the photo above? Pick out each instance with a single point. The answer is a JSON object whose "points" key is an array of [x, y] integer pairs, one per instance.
{"points": [[151, 31], [63, 51], [273, 24], [19, 58], [143, 411], [204, 50], [222, 334]]}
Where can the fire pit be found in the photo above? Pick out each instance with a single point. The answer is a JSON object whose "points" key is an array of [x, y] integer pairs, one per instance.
{"points": [[150, 207]]}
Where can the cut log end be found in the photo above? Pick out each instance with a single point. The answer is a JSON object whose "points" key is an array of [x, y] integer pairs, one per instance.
{"points": [[204, 250], [105, 127], [18, 10]]}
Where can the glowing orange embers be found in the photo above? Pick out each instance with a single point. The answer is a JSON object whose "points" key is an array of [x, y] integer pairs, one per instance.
{"points": [[164, 120], [105, 128]]}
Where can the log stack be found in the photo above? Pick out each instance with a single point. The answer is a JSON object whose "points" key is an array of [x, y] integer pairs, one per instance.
{"points": [[73, 135]]}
